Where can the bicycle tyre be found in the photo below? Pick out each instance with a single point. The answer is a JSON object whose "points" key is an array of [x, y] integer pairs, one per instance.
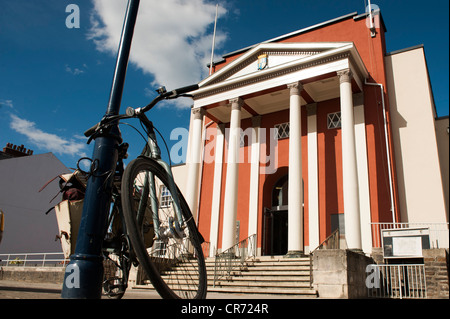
{"points": [[158, 262]]}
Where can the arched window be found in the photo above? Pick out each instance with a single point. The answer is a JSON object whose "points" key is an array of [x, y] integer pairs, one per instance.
{"points": [[280, 192]]}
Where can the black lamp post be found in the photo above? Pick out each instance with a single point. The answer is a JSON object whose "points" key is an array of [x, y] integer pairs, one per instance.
{"points": [[84, 273]]}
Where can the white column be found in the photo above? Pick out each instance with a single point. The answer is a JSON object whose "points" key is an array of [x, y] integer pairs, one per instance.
{"points": [[363, 173], [194, 160], [349, 165], [231, 183], [313, 179], [254, 178], [295, 193], [217, 190]]}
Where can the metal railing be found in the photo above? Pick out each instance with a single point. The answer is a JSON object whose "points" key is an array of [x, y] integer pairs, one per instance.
{"points": [[33, 260], [439, 235], [234, 258], [331, 242], [397, 281]]}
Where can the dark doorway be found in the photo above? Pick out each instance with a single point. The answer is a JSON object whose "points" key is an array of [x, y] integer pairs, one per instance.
{"points": [[276, 220], [280, 233]]}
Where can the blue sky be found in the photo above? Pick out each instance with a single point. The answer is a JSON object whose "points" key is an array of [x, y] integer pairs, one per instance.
{"points": [[55, 81]]}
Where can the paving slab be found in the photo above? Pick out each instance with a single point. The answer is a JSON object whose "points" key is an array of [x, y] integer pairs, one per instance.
{"points": [[28, 290]]}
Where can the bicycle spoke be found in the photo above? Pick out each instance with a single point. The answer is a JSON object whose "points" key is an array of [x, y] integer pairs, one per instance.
{"points": [[175, 261]]}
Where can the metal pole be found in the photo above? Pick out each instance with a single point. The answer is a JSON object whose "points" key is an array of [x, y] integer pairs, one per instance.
{"points": [[84, 273]]}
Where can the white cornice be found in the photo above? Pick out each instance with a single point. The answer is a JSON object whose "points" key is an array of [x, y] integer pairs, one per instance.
{"points": [[331, 52], [222, 93], [273, 47]]}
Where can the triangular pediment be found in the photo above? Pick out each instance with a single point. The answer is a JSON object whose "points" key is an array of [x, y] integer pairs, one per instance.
{"points": [[267, 56]]}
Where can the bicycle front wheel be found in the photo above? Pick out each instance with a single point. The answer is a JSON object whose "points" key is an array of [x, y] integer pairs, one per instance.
{"points": [[168, 249]]}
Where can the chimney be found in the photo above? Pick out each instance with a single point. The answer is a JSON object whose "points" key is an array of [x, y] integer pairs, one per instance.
{"points": [[16, 151]]}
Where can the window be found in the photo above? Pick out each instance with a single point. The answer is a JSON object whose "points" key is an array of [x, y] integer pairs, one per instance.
{"points": [[280, 193], [334, 120], [242, 139], [165, 198], [282, 130]]}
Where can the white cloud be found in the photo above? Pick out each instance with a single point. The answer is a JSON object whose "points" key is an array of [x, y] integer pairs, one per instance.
{"points": [[8, 103], [172, 38], [47, 141], [75, 71]]}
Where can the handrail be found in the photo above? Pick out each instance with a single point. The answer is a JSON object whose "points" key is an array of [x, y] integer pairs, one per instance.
{"points": [[334, 241], [234, 257], [334, 244], [22, 259]]}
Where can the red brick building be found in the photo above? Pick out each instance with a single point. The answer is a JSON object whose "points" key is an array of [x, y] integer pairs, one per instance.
{"points": [[294, 137]]}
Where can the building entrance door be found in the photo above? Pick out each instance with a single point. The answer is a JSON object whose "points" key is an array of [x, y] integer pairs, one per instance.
{"points": [[279, 233], [276, 220]]}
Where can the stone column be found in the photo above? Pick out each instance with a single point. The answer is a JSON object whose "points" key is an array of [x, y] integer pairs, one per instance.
{"points": [[194, 161], [217, 190], [231, 183], [254, 178], [363, 172], [295, 193], [349, 168], [313, 179]]}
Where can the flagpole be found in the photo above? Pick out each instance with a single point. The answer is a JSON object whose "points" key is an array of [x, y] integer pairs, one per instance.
{"points": [[214, 42]]}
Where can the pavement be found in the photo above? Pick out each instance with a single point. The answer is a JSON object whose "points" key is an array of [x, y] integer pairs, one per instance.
{"points": [[29, 290], [27, 297]]}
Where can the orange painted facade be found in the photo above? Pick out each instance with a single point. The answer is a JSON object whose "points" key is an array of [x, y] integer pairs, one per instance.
{"points": [[329, 147]]}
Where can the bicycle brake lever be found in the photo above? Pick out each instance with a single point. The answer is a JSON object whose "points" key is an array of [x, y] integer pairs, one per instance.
{"points": [[89, 132]]}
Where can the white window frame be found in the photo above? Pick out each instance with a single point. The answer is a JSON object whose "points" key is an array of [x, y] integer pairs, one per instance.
{"points": [[334, 120], [165, 198], [282, 133]]}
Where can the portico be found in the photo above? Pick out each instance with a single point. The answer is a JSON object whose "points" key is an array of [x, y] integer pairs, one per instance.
{"points": [[297, 82]]}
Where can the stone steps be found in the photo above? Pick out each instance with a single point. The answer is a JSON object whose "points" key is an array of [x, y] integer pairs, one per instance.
{"points": [[307, 293], [269, 275], [266, 275]]}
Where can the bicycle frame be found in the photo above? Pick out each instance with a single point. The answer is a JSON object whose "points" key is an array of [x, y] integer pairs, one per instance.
{"points": [[153, 151]]}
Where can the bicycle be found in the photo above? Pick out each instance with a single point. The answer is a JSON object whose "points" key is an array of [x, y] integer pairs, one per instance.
{"points": [[161, 237]]}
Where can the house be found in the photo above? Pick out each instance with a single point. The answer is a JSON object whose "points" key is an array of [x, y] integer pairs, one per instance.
{"points": [[27, 229]]}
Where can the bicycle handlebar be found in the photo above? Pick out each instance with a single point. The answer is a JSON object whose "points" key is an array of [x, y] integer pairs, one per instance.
{"points": [[185, 90], [167, 95]]}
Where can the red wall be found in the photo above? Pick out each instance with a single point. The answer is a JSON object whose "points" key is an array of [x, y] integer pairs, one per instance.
{"points": [[372, 51]]}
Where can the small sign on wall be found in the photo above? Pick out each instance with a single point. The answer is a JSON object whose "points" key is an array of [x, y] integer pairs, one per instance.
{"points": [[405, 243]]}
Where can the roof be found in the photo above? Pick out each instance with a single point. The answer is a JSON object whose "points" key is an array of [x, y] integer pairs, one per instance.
{"points": [[405, 49], [353, 15]]}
